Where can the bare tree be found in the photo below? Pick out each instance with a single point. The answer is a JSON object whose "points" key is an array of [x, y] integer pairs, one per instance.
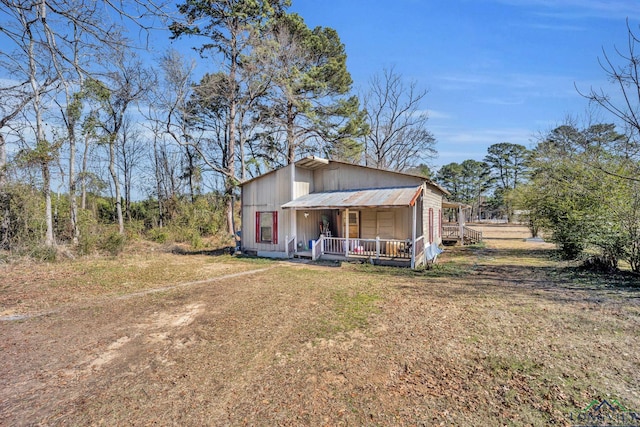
{"points": [[625, 106], [124, 85], [28, 60], [130, 152], [173, 97], [14, 100], [399, 138]]}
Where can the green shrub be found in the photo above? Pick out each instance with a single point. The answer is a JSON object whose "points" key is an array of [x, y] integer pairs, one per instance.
{"points": [[113, 243], [158, 235], [89, 232], [87, 243], [196, 241], [43, 253], [134, 229]]}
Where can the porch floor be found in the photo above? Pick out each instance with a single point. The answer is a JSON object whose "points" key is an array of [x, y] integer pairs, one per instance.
{"points": [[383, 260]]}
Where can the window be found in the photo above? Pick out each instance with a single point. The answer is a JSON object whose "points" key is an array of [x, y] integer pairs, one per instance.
{"points": [[267, 227]]}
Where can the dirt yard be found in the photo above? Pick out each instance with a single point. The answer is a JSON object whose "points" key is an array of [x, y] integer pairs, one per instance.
{"points": [[497, 334]]}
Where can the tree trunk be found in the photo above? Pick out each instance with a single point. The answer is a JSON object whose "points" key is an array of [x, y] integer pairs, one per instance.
{"points": [[191, 167], [46, 191], [42, 147], [116, 185], [73, 201], [83, 184], [158, 183], [231, 170], [3, 162], [4, 197], [241, 147], [291, 144]]}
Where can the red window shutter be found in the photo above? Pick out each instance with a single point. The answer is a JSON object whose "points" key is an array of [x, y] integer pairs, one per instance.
{"points": [[257, 227], [275, 228]]}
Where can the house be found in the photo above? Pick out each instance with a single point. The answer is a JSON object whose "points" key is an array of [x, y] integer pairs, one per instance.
{"points": [[326, 209]]}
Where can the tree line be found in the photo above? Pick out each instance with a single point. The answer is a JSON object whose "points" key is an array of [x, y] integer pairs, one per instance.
{"points": [[97, 143], [87, 127]]}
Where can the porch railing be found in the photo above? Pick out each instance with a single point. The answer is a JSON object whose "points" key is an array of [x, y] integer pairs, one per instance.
{"points": [[291, 246], [374, 248], [419, 253]]}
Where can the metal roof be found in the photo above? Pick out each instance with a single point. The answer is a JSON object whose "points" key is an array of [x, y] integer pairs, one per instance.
{"points": [[369, 198]]}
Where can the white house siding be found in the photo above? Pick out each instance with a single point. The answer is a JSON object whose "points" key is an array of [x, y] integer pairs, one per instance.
{"points": [[432, 199], [266, 194], [303, 183], [340, 176]]}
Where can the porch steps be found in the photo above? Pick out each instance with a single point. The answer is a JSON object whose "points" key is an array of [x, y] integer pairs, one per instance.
{"points": [[303, 255], [451, 234]]}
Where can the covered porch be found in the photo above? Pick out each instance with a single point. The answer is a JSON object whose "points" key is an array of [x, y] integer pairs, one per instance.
{"points": [[382, 226]]}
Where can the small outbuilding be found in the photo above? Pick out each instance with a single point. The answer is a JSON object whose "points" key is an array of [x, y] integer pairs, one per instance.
{"points": [[326, 209]]}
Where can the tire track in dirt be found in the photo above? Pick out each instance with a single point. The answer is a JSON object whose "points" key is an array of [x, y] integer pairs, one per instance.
{"points": [[72, 376], [102, 300]]}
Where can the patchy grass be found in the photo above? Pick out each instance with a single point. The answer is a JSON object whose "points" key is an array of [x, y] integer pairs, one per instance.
{"points": [[350, 311], [503, 334], [27, 287]]}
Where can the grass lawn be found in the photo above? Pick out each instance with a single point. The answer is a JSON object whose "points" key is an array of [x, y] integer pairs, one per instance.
{"points": [[498, 334]]}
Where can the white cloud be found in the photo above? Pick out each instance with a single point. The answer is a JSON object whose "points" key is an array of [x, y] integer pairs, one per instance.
{"points": [[438, 115], [572, 9], [485, 136], [460, 145]]}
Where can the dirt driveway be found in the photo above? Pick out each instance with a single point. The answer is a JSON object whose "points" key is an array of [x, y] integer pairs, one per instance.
{"points": [[495, 335]]}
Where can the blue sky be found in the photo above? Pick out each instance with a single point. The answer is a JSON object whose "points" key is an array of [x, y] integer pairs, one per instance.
{"points": [[496, 70]]}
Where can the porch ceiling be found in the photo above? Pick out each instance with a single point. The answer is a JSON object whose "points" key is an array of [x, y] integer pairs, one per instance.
{"points": [[393, 197], [454, 205], [312, 162]]}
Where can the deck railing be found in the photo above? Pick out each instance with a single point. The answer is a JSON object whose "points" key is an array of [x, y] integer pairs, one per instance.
{"points": [[452, 232], [472, 236]]}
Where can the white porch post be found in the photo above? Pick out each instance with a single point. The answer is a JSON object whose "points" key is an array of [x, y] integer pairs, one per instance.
{"points": [[346, 230], [294, 212], [413, 235], [461, 224]]}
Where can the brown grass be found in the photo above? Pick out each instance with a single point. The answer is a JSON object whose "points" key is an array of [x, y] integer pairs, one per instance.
{"points": [[500, 334]]}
